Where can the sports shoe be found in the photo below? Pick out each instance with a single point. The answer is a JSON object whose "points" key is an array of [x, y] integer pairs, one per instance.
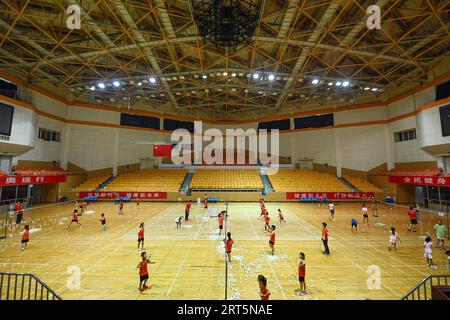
{"points": [[141, 289], [299, 293], [145, 287]]}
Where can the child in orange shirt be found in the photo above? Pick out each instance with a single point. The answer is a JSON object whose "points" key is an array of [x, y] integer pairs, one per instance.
{"points": [[74, 218], [141, 236], [263, 291], [143, 271], [272, 239], [228, 246], [302, 274], [25, 237]]}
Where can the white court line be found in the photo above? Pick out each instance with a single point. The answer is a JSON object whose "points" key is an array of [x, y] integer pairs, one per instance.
{"points": [[184, 259]]}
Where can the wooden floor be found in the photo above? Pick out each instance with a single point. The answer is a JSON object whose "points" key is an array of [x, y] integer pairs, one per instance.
{"points": [[190, 261]]}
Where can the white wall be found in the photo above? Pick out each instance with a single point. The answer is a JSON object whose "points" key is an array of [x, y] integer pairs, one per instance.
{"points": [[363, 148], [91, 147], [24, 126], [45, 150], [136, 145], [316, 145], [407, 151], [430, 131]]}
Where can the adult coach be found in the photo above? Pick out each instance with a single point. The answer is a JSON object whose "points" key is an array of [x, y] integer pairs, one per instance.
{"points": [[325, 235], [19, 212]]}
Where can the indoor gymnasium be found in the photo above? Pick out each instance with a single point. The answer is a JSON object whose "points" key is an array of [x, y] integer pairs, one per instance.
{"points": [[224, 150]]}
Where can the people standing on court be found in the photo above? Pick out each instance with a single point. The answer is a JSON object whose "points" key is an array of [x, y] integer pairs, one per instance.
{"points": [[413, 219], [19, 212], [187, 210], [325, 235], [440, 231]]}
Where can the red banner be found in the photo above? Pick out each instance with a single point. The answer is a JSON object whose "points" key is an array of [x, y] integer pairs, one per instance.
{"points": [[162, 150], [421, 180], [133, 195], [27, 180], [341, 196]]}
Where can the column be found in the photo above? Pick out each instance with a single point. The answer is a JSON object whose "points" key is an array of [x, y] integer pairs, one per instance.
{"points": [[64, 151], [115, 160], [338, 150], [389, 147]]}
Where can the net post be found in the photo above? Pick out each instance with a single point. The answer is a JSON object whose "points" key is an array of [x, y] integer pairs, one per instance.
{"points": [[225, 252]]}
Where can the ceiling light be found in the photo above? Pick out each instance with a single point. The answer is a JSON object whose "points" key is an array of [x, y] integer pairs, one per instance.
{"points": [[233, 74], [330, 83], [152, 79], [315, 81], [225, 74], [374, 89], [101, 85], [345, 84], [271, 77], [338, 83], [366, 88], [139, 83], [116, 84], [92, 88], [204, 76], [255, 76]]}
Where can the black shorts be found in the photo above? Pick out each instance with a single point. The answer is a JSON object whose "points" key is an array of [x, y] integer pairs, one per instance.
{"points": [[220, 227], [140, 239], [144, 277], [413, 221], [332, 212], [354, 225], [24, 241], [301, 279], [74, 220], [103, 222], [365, 215], [228, 252], [272, 243]]}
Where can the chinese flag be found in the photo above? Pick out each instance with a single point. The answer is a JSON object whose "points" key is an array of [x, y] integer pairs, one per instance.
{"points": [[162, 150]]}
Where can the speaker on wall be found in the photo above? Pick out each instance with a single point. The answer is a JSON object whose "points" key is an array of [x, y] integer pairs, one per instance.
{"points": [[444, 112]]}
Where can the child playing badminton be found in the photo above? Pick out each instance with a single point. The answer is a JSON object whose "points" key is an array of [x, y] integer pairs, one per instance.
{"points": [[325, 235], [272, 239], [143, 271], [221, 222], [281, 216], [365, 215], [354, 224], [121, 203], [263, 213], [267, 220], [138, 203], [178, 221], [187, 210], [428, 245], [141, 236], [74, 218], [103, 221], [301, 274], [263, 291], [205, 203], [25, 237], [412, 218], [393, 237], [331, 206], [228, 246]]}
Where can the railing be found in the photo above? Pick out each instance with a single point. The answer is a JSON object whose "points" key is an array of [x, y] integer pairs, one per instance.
{"points": [[423, 290], [24, 286]]}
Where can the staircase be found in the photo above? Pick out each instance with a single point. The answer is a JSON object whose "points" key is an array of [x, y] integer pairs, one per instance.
{"points": [[348, 184], [267, 184], [104, 184], [423, 290], [186, 182], [24, 286]]}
